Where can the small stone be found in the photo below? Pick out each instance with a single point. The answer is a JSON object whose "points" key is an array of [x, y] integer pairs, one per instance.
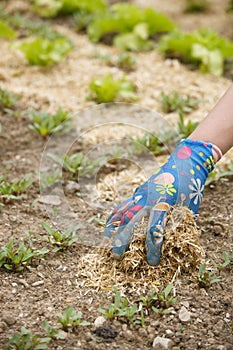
{"points": [[128, 335], [221, 347], [37, 283], [185, 303], [160, 343], [184, 314], [99, 321], [72, 187], [8, 319], [51, 200], [142, 331], [168, 331]]}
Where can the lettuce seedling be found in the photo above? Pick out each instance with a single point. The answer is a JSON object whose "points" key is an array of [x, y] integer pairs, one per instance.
{"points": [[26, 340], [122, 18], [203, 47], [177, 103], [107, 89], [45, 52], [6, 32]]}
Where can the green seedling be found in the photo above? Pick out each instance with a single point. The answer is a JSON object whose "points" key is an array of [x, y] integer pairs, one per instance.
{"points": [[206, 278], [196, 6], [148, 301], [203, 48], [61, 239], [47, 124], [227, 260], [25, 340], [148, 142], [164, 301], [53, 8], [16, 258], [122, 310], [124, 61], [177, 103], [14, 190], [70, 319], [45, 52], [185, 128], [48, 180], [107, 89], [124, 17], [52, 333], [78, 164], [225, 171], [8, 99], [6, 32]]}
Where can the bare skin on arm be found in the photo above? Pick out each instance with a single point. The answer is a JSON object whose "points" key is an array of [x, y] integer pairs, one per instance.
{"points": [[217, 127]]}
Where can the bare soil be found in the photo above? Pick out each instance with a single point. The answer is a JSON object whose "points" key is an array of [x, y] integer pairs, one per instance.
{"points": [[29, 297]]}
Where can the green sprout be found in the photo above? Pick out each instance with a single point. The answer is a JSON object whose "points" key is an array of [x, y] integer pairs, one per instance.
{"points": [[177, 103], [163, 301], [185, 128], [47, 124], [206, 278], [26, 340], [196, 5], [107, 89], [45, 52], [60, 239], [8, 99], [14, 190], [71, 319], [16, 258]]}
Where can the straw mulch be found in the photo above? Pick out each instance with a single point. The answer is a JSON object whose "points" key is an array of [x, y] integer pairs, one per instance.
{"points": [[181, 254]]}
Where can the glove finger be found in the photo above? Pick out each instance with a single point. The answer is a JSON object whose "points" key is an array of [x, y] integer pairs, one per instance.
{"points": [[124, 233], [123, 211], [155, 230]]}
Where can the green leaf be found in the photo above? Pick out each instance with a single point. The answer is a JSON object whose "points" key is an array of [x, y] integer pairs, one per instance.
{"points": [[6, 32]]}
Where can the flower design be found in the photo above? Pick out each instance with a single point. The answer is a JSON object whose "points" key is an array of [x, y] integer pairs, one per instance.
{"points": [[209, 163], [166, 188], [197, 189]]}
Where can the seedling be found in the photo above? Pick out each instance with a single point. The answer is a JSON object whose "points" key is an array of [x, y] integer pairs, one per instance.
{"points": [[186, 128], [14, 190], [60, 239], [107, 89], [207, 278], [178, 103], [52, 333], [225, 171], [124, 61], [227, 260], [71, 319], [25, 340], [45, 52], [196, 5], [50, 179], [16, 258], [7, 99], [121, 309], [164, 301], [47, 124], [6, 32], [203, 48], [78, 164], [148, 142]]}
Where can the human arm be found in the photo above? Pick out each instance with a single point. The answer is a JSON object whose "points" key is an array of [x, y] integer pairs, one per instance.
{"points": [[180, 180]]}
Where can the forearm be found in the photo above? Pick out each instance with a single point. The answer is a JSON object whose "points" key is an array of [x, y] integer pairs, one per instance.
{"points": [[217, 127]]}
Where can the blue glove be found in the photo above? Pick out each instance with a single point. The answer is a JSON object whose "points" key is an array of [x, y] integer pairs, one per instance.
{"points": [[180, 180]]}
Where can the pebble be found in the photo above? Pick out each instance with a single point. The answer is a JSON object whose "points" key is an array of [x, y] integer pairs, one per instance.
{"points": [[72, 187], [51, 200], [37, 283], [8, 319], [160, 343], [128, 335], [184, 314], [99, 321]]}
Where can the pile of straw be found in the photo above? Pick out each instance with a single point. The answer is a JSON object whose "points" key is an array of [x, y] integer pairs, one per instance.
{"points": [[181, 254]]}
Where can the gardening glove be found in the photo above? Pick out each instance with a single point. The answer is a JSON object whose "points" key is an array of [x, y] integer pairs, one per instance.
{"points": [[180, 180]]}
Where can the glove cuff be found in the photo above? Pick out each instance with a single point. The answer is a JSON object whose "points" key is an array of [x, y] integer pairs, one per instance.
{"points": [[217, 153]]}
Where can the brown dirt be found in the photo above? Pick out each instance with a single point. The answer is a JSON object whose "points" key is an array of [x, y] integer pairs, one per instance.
{"points": [[23, 301]]}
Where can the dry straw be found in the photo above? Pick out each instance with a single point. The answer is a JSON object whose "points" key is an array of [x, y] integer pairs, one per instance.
{"points": [[181, 254]]}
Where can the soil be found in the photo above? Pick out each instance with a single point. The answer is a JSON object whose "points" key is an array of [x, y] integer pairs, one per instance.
{"points": [[29, 297]]}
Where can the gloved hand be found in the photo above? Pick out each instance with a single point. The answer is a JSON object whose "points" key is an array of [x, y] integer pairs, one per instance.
{"points": [[180, 180]]}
